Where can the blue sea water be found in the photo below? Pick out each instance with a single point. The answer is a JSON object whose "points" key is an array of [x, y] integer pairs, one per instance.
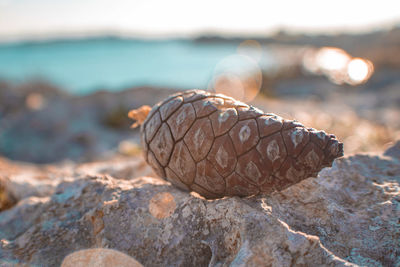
{"points": [[86, 65]]}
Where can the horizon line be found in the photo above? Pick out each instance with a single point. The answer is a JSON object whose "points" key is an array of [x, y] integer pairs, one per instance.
{"points": [[139, 35]]}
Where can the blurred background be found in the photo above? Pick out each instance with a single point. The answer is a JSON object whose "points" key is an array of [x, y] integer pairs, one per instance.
{"points": [[71, 70]]}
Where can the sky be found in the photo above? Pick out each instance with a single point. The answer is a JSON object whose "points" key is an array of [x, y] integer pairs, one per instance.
{"points": [[159, 18]]}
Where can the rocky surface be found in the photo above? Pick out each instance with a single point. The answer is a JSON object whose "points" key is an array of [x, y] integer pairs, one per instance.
{"points": [[348, 215], [40, 123]]}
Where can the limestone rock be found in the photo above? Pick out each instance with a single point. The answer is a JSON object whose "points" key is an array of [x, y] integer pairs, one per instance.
{"points": [[99, 257], [22, 180], [7, 199], [394, 151], [347, 215]]}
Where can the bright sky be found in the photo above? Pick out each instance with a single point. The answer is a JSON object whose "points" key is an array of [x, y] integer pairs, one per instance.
{"points": [[19, 18]]}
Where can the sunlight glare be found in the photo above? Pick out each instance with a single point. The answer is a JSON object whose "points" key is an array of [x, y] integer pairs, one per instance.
{"points": [[331, 58], [337, 65], [359, 70]]}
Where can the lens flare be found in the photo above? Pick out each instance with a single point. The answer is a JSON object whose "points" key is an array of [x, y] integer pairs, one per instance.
{"points": [[229, 85], [251, 48], [238, 76]]}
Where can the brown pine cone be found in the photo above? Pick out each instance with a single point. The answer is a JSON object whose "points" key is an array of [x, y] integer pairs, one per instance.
{"points": [[217, 146]]}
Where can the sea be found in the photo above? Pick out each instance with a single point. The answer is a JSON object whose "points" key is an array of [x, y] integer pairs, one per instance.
{"points": [[81, 66]]}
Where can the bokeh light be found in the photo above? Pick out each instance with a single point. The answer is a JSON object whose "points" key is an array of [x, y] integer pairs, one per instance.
{"points": [[252, 49], [337, 65], [332, 59], [35, 101], [359, 70], [239, 75]]}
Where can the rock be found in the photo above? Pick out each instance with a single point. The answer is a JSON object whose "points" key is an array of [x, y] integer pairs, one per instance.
{"points": [[22, 180], [349, 207], [346, 216], [394, 151], [99, 257], [41, 124], [118, 167], [104, 212], [7, 200], [21, 217]]}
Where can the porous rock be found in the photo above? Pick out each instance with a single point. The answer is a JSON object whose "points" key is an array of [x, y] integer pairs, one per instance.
{"points": [[22, 180], [347, 215]]}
